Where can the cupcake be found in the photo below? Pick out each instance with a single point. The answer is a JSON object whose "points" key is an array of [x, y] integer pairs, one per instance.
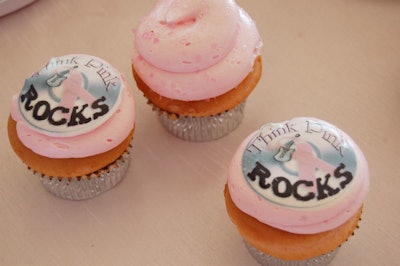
{"points": [[196, 62], [295, 191], [72, 125]]}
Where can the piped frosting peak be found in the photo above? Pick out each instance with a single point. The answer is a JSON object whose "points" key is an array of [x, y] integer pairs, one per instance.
{"points": [[184, 49]]}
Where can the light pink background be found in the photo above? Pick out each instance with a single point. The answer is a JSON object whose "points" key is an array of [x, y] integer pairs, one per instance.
{"points": [[336, 60]]}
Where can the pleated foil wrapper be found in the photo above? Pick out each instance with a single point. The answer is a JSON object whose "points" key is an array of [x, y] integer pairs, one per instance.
{"points": [[267, 260], [86, 187], [204, 128]]}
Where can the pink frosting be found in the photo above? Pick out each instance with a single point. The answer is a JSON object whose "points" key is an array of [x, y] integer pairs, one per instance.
{"points": [[103, 138], [306, 217], [185, 48]]}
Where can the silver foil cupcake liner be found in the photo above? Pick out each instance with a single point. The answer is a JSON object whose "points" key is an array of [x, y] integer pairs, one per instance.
{"points": [[266, 260], [86, 187], [203, 128]]}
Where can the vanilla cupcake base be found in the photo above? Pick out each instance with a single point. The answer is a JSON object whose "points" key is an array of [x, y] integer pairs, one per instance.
{"points": [[86, 187], [267, 260], [203, 128]]}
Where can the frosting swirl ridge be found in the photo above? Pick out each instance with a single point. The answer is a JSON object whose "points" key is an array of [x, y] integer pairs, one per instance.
{"points": [[184, 49], [187, 25]]}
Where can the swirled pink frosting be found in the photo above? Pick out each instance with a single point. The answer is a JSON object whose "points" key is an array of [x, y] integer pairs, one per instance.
{"points": [[338, 198], [102, 139], [195, 49]]}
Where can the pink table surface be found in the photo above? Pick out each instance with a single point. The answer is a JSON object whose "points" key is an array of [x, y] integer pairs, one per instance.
{"points": [[337, 60]]}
